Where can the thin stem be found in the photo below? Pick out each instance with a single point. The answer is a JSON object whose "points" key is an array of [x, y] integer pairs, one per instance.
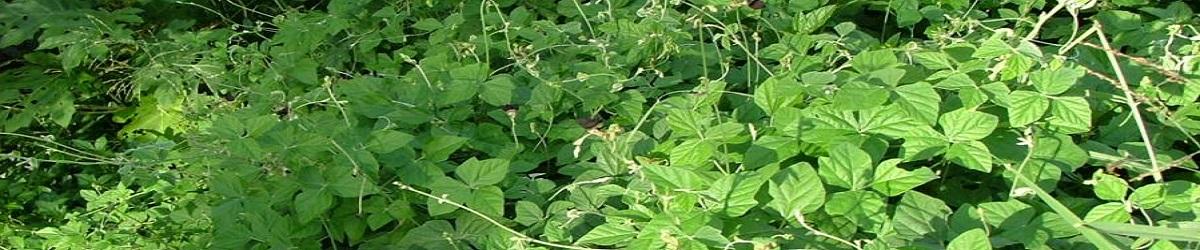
{"points": [[1133, 104]]}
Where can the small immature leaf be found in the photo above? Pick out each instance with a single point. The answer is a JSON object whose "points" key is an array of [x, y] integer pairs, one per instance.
{"points": [[796, 189], [476, 173], [847, 167], [973, 239], [809, 22], [967, 125]]}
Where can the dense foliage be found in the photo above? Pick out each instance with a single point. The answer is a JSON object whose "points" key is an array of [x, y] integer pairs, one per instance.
{"points": [[596, 124]]}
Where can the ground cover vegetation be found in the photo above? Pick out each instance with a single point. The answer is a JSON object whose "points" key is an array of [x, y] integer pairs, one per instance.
{"points": [[599, 124]]}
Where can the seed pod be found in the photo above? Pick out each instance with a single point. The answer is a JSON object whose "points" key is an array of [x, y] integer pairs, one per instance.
{"points": [[590, 122], [756, 4]]}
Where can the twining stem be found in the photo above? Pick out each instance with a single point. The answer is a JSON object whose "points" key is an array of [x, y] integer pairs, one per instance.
{"points": [[1129, 100], [1037, 27], [489, 219]]}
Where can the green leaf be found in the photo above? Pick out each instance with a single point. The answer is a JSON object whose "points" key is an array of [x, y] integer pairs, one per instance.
{"points": [[528, 213], [498, 91], [448, 188], [1108, 187], [609, 234], [476, 173], [863, 208], [972, 155], [874, 60], [671, 178], [859, 96], [311, 204], [1027, 107], [907, 12], [440, 147], [992, 48], [796, 189], [920, 216], [811, 21], [967, 125], [847, 167], [430, 235], [1056, 81], [734, 193], [776, 93], [919, 101], [973, 239], [488, 200], [693, 153], [1070, 114], [891, 180], [1108, 212], [386, 141]]}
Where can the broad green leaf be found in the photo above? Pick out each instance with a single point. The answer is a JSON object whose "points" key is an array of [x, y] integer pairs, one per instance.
{"points": [[859, 96], [1027, 107], [310, 204], [476, 173], [811, 21], [971, 240], [488, 200], [864, 208], [386, 141], [1055, 81], [734, 193], [891, 180], [919, 101], [776, 93], [973, 155], [608, 234], [847, 167], [693, 153], [498, 91], [967, 125], [450, 189], [528, 213], [1108, 212], [1070, 114], [796, 189], [920, 216], [439, 148], [907, 12], [992, 48], [874, 60], [1108, 187], [430, 235], [671, 177]]}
